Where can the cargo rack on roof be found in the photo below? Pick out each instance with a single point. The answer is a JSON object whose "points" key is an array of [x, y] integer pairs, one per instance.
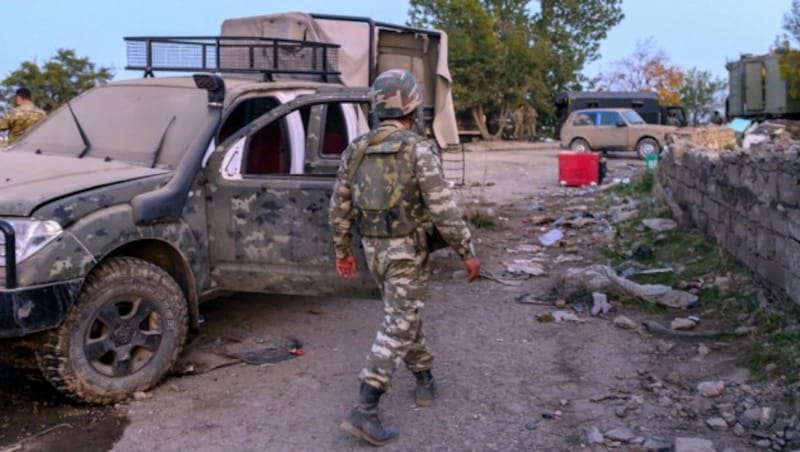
{"points": [[233, 54]]}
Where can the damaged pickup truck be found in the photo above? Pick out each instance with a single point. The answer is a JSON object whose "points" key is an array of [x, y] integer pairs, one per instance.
{"points": [[129, 205]]}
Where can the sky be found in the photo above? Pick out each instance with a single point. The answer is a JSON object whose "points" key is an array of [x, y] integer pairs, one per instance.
{"points": [[693, 33]]}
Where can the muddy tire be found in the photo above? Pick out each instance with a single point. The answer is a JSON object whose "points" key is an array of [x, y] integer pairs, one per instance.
{"points": [[647, 146], [122, 336], [579, 145]]}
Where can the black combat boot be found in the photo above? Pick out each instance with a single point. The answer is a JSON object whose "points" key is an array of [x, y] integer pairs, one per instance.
{"points": [[362, 421], [425, 391]]}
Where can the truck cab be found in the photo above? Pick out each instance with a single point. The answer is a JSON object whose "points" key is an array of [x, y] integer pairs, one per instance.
{"points": [[133, 202]]}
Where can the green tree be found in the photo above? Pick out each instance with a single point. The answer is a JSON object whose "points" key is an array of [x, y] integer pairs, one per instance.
{"points": [[700, 92], [790, 59], [502, 53], [56, 81]]}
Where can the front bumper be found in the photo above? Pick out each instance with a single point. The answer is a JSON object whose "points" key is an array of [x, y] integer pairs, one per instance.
{"points": [[32, 309]]}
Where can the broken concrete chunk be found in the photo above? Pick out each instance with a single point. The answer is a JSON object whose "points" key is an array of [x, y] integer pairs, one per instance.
{"points": [[682, 324], [660, 224], [625, 323], [711, 388]]}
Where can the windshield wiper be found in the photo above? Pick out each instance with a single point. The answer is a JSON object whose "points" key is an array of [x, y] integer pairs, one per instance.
{"points": [[86, 144], [157, 151]]}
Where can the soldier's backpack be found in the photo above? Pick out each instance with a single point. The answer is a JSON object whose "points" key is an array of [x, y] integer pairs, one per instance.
{"points": [[386, 194]]}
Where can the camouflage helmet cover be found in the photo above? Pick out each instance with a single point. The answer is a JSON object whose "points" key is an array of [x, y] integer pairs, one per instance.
{"points": [[397, 94]]}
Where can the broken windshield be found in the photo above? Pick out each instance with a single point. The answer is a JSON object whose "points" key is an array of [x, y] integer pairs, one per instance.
{"points": [[124, 122]]}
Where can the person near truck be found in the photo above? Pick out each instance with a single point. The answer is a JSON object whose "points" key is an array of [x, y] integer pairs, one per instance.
{"points": [[530, 123], [390, 187], [23, 117], [519, 121]]}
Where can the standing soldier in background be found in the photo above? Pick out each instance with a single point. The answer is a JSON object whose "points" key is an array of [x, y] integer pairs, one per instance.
{"points": [[390, 185], [519, 121], [23, 117], [530, 123]]}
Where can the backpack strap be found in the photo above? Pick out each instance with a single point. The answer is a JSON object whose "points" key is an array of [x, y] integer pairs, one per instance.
{"points": [[360, 152]]}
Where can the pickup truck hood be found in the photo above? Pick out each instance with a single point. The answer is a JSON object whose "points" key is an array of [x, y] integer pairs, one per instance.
{"points": [[28, 180]]}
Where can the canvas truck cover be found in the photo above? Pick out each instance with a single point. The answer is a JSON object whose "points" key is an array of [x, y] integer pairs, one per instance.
{"points": [[366, 49]]}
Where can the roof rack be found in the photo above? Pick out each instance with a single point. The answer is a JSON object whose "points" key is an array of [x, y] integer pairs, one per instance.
{"points": [[233, 54]]}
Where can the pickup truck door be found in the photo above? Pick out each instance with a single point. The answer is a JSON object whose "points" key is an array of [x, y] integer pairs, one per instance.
{"points": [[268, 207]]}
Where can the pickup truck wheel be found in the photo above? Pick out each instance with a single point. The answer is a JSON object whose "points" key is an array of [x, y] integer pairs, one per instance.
{"points": [[579, 145], [122, 336], [647, 146]]}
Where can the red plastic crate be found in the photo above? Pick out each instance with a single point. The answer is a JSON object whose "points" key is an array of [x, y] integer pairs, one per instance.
{"points": [[578, 169]]}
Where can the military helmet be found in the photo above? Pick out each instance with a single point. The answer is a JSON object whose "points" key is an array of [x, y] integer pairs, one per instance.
{"points": [[397, 93]]}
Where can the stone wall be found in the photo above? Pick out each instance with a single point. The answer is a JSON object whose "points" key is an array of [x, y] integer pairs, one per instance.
{"points": [[748, 202]]}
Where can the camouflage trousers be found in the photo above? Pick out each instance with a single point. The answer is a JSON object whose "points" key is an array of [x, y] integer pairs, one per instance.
{"points": [[399, 266]]}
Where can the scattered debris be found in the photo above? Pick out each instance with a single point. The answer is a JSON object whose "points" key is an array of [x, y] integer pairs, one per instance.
{"points": [[264, 350], [625, 323], [529, 298], [485, 274], [527, 267], [660, 224], [551, 238], [711, 389], [598, 277], [717, 424], [600, 304], [683, 324]]}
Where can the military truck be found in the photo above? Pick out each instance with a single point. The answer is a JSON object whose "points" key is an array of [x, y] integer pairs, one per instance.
{"points": [[757, 90], [136, 200]]}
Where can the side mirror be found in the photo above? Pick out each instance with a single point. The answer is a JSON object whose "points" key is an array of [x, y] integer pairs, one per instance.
{"points": [[621, 124]]}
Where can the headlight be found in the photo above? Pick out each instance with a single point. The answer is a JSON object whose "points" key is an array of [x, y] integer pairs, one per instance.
{"points": [[32, 235]]}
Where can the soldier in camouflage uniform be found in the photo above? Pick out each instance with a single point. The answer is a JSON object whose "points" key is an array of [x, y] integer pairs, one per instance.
{"points": [[22, 118], [390, 185]]}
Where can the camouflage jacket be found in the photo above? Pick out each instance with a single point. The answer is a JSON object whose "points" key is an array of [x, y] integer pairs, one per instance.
{"points": [[438, 206], [21, 119]]}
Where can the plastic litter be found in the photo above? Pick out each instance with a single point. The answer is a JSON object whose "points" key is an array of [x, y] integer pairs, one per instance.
{"points": [[601, 277], [601, 304], [551, 238]]}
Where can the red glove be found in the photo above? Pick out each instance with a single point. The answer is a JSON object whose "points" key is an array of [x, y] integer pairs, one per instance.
{"points": [[346, 267], [473, 268]]}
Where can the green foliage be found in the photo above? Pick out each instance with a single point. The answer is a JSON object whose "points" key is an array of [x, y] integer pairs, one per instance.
{"points": [[56, 81], [790, 59], [502, 53], [481, 220], [700, 92]]}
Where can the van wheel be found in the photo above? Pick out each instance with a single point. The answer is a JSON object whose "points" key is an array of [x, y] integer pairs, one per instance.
{"points": [[647, 146], [580, 145], [122, 336]]}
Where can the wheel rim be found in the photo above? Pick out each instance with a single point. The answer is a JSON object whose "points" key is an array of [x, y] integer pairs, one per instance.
{"points": [[647, 148], [123, 336], [579, 146]]}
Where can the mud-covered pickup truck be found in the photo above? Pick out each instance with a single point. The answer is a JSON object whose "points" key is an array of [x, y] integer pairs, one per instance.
{"points": [[127, 206]]}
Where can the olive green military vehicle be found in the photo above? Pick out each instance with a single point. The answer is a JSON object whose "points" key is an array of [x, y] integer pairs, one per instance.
{"points": [[129, 205]]}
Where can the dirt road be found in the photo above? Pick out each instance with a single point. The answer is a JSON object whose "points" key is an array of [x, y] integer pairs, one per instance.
{"points": [[499, 370]]}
